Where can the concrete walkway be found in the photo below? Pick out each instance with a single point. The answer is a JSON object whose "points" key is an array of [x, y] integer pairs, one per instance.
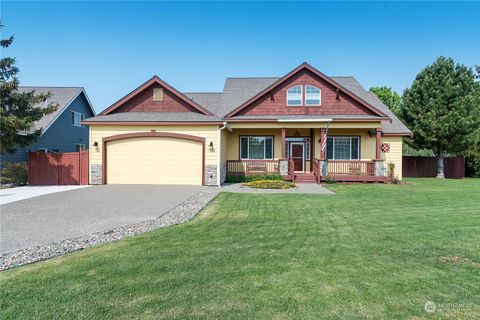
{"points": [[21, 193], [310, 188]]}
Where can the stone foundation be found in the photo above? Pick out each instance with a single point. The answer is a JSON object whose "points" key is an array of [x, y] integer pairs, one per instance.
{"points": [[283, 167], [211, 175], [379, 168], [223, 173], [96, 174], [323, 167]]}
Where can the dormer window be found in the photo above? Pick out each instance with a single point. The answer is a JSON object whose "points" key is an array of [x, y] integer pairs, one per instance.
{"points": [[294, 96], [312, 96]]}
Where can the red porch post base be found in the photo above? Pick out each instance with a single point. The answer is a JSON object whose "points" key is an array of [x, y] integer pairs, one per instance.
{"points": [[378, 144]]}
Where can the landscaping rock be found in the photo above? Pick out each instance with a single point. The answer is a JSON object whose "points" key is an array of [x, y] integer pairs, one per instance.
{"points": [[180, 214]]}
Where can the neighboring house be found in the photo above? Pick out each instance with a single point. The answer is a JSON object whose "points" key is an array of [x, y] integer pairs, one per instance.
{"points": [[157, 135], [62, 130]]}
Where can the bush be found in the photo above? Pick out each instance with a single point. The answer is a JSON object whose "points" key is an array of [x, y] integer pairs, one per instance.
{"points": [[16, 173], [330, 180], [392, 178], [238, 179], [270, 184]]}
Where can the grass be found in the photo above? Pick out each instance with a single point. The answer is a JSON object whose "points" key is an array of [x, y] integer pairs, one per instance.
{"points": [[370, 251]]}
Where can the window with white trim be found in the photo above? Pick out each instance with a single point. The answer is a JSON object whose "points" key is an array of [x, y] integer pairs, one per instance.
{"points": [[253, 148], [79, 147], [77, 119], [312, 96], [294, 96], [343, 148]]}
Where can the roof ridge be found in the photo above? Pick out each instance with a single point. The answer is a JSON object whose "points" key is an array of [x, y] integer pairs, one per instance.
{"points": [[58, 87], [270, 77], [212, 92]]}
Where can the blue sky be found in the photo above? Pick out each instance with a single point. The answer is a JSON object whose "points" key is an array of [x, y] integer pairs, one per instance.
{"points": [[112, 47]]}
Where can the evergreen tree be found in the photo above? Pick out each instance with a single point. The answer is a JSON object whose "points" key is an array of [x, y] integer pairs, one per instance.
{"points": [[442, 108], [18, 111]]}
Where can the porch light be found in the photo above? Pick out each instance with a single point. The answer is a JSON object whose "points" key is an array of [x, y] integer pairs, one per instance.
{"points": [[95, 144], [210, 145], [372, 133]]}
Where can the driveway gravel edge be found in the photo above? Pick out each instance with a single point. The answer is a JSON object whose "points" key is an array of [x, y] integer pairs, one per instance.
{"points": [[184, 212]]}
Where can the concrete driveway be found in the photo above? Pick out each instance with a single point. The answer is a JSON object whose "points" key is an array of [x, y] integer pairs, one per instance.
{"points": [[68, 214], [21, 193]]}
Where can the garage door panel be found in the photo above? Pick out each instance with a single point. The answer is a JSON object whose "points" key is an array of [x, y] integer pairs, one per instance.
{"points": [[154, 160]]}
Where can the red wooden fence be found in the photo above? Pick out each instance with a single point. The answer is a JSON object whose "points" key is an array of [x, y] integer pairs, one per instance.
{"points": [[426, 167], [51, 168]]}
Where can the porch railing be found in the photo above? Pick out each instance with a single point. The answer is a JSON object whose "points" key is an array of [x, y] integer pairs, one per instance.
{"points": [[350, 167], [252, 167]]}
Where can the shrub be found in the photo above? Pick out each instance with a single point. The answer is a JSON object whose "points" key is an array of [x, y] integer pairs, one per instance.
{"points": [[270, 184], [330, 180], [238, 179], [392, 178], [16, 173]]}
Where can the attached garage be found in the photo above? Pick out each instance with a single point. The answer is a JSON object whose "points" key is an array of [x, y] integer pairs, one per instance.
{"points": [[154, 158]]}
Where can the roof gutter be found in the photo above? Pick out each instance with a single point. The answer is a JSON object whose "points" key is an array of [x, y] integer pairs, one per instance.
{"points": [[219, 164], [304, 120]]}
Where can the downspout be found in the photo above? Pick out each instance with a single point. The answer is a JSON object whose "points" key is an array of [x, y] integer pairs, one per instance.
{"points": [[219, 183]]}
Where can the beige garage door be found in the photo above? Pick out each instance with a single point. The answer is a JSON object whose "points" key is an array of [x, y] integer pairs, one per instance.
{"points": [[154, 160]]}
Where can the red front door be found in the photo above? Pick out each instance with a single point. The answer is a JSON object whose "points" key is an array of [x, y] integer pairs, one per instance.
{"points": [[297, 156]]}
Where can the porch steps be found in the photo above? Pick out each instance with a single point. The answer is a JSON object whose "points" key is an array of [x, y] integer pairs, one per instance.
{"points": [[305, 178]]}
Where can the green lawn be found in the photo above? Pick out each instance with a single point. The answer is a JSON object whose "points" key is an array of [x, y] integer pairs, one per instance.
{"points": [[370, 251]]}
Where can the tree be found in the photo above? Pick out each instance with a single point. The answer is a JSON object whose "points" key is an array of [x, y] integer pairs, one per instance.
{"points": [[389, 97], [442, 109], [18, 111]]}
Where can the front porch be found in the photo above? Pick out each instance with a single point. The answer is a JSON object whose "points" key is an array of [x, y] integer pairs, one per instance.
{"points": [[342, 171], [298, 155]]}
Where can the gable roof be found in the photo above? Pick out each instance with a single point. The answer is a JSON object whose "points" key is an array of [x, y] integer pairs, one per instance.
{"points": [[305, 66], [395, 126], [237, 91], [63, 96], [157, 80]]}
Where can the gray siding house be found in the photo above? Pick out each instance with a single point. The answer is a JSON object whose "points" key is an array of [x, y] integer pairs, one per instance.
{"points": [[61, 130]]}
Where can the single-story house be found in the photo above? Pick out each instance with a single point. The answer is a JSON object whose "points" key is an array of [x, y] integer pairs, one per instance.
{"points": [[62, 130], [304, 125]]}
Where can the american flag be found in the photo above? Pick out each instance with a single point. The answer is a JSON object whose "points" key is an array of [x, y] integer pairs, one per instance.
{"points": [[324, 144]]}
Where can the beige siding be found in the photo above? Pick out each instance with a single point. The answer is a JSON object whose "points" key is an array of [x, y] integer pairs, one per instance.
{"points": [[395, 154], [210, 133], [367, 143], [224, 146], [154, 160], [233, 146]]}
